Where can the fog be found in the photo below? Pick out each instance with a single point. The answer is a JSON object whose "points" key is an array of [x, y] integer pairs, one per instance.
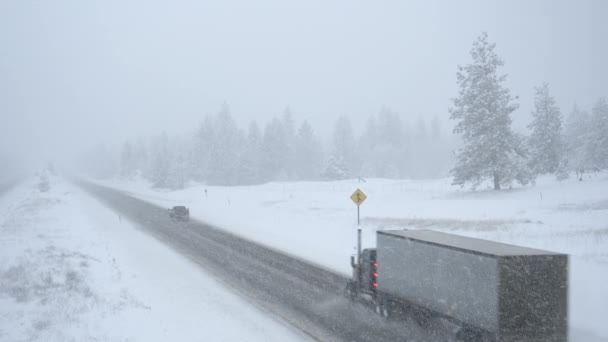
{"points": [[74, 74]]}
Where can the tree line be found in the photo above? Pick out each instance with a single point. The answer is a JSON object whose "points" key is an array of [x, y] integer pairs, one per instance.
{"points": [[220, 152]]}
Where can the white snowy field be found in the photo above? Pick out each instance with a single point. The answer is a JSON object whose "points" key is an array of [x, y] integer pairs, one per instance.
{"points": [[71, 270], [317, 221]]}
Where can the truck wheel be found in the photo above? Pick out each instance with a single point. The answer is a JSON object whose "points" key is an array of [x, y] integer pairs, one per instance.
{"points": [[386, 312], [387, 308], [378, 309], [382, 309]]}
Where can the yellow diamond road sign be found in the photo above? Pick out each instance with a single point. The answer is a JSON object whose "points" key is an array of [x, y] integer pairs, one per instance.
{"points": [[358, 197]]}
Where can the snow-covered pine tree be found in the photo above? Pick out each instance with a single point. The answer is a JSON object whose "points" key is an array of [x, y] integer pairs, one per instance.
{"points": [[289, 134], [344, 147], [176, 177], [250, 161], [203, 144], [274, 151], [336, 169], [141, 155], [598, 135], [439, 155], [308, 152], [577, 135], [370, 163], [390, 149], [224, 153], [483, 111], [545, 142], [159, 168]]}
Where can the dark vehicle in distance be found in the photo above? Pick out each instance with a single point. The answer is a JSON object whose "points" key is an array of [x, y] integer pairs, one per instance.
{"points": [[492, 291], [179, 213]]}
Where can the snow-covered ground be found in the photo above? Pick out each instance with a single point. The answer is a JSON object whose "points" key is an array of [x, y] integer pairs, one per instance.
{"points": [[71, 270], [317, 221]]}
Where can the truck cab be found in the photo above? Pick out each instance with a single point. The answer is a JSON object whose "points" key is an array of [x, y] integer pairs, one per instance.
{"points": [[365, 274]]}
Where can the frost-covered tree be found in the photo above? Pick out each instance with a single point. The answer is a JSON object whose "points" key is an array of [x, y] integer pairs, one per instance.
{"points": [[335, 169], [250, 164], [545, 142], [483, 113], [159, 168], [390, 150], [289, 134], [274, 151], [225, 150], [177, 175], [577, 135], [598, 135], [201, 151], [308, 153], [140, 152], [343, 151], [368, 141]]}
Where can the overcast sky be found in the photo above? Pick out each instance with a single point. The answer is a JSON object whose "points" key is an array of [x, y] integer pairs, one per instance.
{"points": [[74, 73]]}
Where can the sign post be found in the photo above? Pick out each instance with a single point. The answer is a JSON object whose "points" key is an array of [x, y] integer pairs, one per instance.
{"points": [[358, 197]]}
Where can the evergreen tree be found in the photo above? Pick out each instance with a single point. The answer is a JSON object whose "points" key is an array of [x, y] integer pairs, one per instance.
{"points": [[160, 164], [204, 143], [308, 153], [274, 151], [344, 147], [483, 114], [577, 137], [390, 148], [598, 135], [141, 155], [545, 143], [250, 162], [224, 151], [336, 169], [177, 174], [289, 135], [368, 142], [438, 152]]}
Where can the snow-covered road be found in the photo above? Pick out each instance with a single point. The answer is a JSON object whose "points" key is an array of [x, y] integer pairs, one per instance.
{"points": [[72, 270]]}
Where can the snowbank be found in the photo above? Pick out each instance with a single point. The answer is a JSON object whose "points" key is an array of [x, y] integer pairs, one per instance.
{"points": [[71, 270]]}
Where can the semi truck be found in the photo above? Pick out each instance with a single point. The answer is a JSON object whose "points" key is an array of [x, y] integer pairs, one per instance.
{"points": [[491, 291]]}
